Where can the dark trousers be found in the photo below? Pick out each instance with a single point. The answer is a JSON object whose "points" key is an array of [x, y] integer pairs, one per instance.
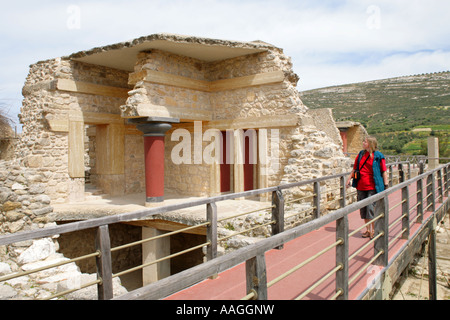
{"points": [[368, 212]]}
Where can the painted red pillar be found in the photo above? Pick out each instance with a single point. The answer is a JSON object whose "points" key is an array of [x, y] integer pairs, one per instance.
{"points": [[154, 130], [344, 140], [154, 168]]}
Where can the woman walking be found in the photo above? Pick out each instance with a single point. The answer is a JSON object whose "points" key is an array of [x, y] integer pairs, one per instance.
{"points": [[369, 177]]}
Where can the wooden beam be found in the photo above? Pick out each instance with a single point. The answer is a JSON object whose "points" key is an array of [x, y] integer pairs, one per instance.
{"points": [[247, 81], [110, 149], [102, 118], [91, 88], [204, 85], [62, 125], [176, 81], [153, 110], [58, 125], [277, 121], [104, 265], [76, 149], [256, 276], [166, 225]]}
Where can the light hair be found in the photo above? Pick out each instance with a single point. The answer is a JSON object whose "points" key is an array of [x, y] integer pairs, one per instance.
{"points": [[373, 143]]}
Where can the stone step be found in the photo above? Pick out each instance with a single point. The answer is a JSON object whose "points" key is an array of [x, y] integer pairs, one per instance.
{"points": [[93, 193]]}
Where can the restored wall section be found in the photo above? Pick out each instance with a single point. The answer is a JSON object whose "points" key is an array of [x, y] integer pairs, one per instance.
{"points": [[194, 90], [49, 114], [176, 86]]}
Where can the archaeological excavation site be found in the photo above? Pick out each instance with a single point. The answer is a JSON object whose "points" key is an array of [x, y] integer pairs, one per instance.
{"points": [[159, 120]]}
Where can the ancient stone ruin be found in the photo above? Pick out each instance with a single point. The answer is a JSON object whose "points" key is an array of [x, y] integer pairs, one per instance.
{"points": [[141, 121]]}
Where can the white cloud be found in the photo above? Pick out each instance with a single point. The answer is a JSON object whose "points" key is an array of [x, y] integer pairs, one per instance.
{"points": [[394, 65]]}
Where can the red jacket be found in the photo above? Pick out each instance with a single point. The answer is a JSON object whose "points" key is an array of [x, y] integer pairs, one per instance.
{"points": [[366, 182]]}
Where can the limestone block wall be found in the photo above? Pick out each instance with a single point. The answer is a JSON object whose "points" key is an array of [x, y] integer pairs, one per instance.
{"points": [[274, 99], [324, 121], [186, 179], [161, 96], [167, 84], [355, 137], [306, 147]]}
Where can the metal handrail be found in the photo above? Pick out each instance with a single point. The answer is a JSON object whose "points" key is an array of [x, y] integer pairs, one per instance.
{"points": [[168, 234], [63, 293], [160, 260], [319, 282], [244, 213], [246, 230], [366, 224], [53, 265], [304, 263], [350, 281]]}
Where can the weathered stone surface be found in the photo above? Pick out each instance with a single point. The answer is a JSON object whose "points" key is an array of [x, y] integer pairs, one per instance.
{"points": [[7, 292], [9, 206], [12, 216], [43, 284], [4, 269], [42, 211], [40, 249], [18, 186]]}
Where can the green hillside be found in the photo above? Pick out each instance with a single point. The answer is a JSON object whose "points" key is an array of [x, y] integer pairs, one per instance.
{"points": [[401, 112]]}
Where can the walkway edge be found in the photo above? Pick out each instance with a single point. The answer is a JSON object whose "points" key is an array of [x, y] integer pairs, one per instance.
{"points": [[383, 283]]}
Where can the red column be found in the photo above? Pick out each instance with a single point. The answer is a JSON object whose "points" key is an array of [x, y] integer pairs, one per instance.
{"points": [[154, 168], [154, 130], [344, 140]]}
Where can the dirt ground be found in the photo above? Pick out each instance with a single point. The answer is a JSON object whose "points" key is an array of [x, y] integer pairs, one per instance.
{"points": [[414, 285]]}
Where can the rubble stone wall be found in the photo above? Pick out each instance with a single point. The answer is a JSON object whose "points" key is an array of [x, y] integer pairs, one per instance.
{"points": [[24, 205], [45, 149]]}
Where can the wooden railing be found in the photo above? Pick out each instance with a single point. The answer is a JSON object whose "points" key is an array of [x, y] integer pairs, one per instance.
{"points": [[254, 257], [435, 190]]}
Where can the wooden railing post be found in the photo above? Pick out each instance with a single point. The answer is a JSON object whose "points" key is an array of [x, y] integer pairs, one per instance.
{"points": [[382, 226], [420, 201], [211, 230], [277, 213], [104, 266], [432, 274], [401, 173], [256, 276], [343, 193], [316, 199], [405, 212], [409, 171], [431, 192], [342, 257], [391, 175], [440, 186], [446, 178]]}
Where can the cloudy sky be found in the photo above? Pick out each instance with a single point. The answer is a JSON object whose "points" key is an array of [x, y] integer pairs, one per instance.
{"points": [[330, 42]]}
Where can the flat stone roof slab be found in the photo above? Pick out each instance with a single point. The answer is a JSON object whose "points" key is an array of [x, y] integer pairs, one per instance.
{"points": [[123, 55]]}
